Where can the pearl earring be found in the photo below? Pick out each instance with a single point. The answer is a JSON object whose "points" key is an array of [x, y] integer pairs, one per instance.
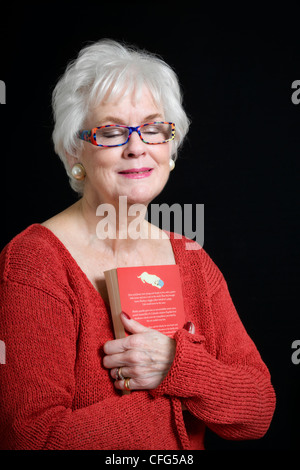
{"points": [[78, 172], [172, 164]]}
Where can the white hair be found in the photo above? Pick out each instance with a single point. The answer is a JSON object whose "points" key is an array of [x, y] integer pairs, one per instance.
{"points": [[101, 71]]}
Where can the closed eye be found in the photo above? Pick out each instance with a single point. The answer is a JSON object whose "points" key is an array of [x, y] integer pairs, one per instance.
{"points": [[111, 132]]}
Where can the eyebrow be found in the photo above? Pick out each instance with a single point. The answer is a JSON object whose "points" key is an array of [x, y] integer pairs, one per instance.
{"points": [[117, 120]]}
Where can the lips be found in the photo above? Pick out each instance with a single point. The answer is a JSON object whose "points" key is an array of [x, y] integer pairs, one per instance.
{"points": [[135, 170], [136, 173]]}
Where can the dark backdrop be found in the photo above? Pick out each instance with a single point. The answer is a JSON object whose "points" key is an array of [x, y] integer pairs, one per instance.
{"points": [[240, 158]]}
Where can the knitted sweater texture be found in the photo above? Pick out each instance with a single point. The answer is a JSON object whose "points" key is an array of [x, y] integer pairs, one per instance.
{"points": [[55, 392]]}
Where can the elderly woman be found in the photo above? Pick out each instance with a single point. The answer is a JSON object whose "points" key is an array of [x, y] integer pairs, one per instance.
{"points": [[119, 122]]}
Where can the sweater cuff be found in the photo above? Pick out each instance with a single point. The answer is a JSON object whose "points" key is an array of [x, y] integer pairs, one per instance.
{"points": [[178, 381]]}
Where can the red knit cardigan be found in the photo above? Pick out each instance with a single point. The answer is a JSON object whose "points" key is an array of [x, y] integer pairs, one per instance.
{"points": [[55, 392]]}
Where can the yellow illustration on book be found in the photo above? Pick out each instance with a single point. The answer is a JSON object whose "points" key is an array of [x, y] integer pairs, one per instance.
{"points": [[151, 279]]}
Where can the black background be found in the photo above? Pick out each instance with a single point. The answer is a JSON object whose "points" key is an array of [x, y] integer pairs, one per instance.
{"points": [[236, 68]]}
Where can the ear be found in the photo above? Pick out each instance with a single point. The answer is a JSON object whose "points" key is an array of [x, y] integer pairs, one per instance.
{"points": [[71, 159]]}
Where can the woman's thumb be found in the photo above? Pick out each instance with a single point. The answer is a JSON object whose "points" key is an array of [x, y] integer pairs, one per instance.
{"points": [[132, 326]]}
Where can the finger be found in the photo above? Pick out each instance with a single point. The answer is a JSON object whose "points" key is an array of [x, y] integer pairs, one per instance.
{"points": [[190, 327], [115, 373], [132, 326], [136, 372], [115, 360], [115, 346], [132, 384], [138, 383], [120, 384], [128, 358], [125, 371], [119, 345]]}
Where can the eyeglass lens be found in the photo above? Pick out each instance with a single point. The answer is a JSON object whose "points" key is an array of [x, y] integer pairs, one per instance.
{"points": [[153, 133]]}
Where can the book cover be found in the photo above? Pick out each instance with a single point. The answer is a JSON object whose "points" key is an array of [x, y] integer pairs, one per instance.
{"points": [[151, 295]]}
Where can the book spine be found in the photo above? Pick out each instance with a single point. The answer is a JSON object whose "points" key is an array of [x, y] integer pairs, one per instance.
{"points": [[111, 278]]}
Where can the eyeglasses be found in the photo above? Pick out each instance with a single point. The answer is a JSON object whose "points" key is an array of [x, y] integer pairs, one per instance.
{"points": [[114, 135]]}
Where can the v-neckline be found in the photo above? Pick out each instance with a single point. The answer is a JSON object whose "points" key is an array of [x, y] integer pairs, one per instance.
{"points": [[68, 255]]}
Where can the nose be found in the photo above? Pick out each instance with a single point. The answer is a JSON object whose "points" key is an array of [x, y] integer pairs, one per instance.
{"points": [[135, 147]]}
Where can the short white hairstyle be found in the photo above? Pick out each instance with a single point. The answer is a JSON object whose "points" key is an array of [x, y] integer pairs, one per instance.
{"points": [[101, 72]]}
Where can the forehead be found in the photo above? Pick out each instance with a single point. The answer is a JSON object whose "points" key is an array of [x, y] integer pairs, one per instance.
{"points": [[128, 109]]}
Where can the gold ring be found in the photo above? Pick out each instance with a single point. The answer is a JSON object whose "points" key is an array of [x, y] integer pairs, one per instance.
{"points": [[119, 374], [126, 384]]}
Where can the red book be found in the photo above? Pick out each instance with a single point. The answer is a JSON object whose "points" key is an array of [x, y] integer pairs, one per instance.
{"points": [[151, 295]]}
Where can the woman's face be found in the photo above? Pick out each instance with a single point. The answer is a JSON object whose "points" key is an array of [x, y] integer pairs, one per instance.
{"points": [[106, 177]]}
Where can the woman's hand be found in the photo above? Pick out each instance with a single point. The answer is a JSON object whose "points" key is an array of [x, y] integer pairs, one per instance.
{"points": [[145, 356]]}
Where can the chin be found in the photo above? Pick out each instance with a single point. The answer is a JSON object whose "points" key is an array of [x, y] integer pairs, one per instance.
{"points": [[142, 195]]}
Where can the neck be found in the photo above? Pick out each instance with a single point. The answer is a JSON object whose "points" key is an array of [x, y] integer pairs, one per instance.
{"points": [[114, 227]]}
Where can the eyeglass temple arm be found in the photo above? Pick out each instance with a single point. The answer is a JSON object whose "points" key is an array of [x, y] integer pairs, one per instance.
{"points": [[86, 135]]}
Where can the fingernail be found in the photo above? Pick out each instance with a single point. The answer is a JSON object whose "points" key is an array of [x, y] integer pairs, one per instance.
{"points": [[189, 326], [126, 315]]}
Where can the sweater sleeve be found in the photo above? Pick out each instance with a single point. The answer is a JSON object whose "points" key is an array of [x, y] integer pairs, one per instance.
{"points": [[231, 392], [37, 384]]}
